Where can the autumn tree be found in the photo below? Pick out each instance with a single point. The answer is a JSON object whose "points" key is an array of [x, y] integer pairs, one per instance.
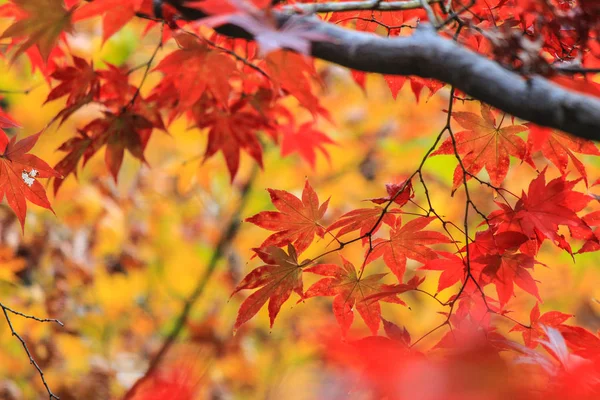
{"points": [[500, 188]]}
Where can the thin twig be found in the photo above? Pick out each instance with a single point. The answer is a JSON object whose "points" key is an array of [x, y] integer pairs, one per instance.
{"points": [[575, 69], [244, 60], [32, 361], [147, 70], [25, 92], [31, 316]]}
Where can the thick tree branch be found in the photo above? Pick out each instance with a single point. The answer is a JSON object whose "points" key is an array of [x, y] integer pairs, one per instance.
{"points": [[428, 55], [312, 8]]}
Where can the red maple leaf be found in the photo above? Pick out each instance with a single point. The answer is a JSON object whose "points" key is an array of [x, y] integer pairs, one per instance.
{"points": [[277, 279], [364, 220], [472, 304], [77, 81], [504, 271], [19, 172], [491, 241], [119, 132], [395, 84], [583, 342], [230, 131], [539, 213], [535, 331], [127, 131], [296, 222], [290, 73], [558, 147], [394, 290], [116, 13], [407, 241], [305, 141], [484, 144], [396, 333], [591, 237], [369, 220], [350, 290], [195, 68], [452, 266], [77, 147], [486, 244], [401, 193], [116, 90]]}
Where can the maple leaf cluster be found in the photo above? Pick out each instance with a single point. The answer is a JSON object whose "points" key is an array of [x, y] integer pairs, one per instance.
{"points": [[236, 100], [234, 90], [502, 256]]}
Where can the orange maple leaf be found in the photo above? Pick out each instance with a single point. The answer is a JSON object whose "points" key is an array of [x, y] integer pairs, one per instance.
{"points": [[297, 221], [280, 275], [407, 241], [41, 22], [484, 143], [351, 291]]}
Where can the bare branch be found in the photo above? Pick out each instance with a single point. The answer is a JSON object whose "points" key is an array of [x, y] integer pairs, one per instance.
{"points": [[575, 69], [7, 310]]}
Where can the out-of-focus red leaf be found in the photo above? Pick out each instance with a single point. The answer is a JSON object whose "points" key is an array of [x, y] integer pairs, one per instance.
{"points": [[40, 23], [305, 141]]}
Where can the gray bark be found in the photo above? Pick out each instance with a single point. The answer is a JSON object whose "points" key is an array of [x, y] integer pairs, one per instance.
{"points": [[429, 55]]}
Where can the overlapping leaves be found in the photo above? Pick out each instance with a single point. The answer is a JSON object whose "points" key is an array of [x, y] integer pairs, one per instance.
{"points": [[40, 23], [296, 222], [280, 275], [351, 290], [484, 143]]}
